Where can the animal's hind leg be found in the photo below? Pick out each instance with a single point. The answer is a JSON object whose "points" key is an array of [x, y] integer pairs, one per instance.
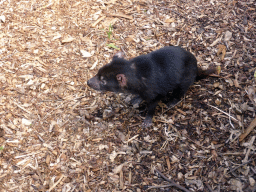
{"points": [[175, 96]]}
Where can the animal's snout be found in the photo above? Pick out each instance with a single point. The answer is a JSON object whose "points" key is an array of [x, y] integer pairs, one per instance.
{"points": [[89, 82], [94, 83]]}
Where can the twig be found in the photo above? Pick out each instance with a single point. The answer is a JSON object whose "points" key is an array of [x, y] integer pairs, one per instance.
{"points": [[21, 107], [230, 118], [254, 171], [173, 11], [230, 153], [160, 186], [55, 184], [208, 186], [134, 137], [251, 98], [172, 182], [250, 147], [248, 130], [173, 106], [223, 112], [99, 20], [51, 100], [121, 15], [231, 171]]}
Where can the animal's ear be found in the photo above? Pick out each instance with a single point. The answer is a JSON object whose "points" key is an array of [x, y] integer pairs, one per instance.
{"points": [[119, 55], [121, 78]]}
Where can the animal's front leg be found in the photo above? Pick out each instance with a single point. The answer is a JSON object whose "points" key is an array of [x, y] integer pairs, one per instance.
{"points": [[176, 96], [151, 110], [136, 101]]}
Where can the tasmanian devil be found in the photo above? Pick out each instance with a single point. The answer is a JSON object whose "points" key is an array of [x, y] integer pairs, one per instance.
{"points": [[164, 73]]}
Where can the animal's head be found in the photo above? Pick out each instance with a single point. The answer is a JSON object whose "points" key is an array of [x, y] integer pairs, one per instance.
{"points": [[111, 77]]}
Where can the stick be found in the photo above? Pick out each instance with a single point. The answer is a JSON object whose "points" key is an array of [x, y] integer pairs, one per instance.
{"points": [[223, 112], [172, 182], [134, 137], [169, 108], [248, 130], [250, 147], [22, 107], [173, 12], [121, 15], [208, 186], [55, 184], [230, 171], [230, 119], [159, 186], [99, 20]]}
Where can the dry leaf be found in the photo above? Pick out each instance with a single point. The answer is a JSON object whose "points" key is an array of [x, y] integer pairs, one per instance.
{"points": [[101, 147], [221, 51], [118, 168], [218, 69], [148, 139], [218, 102], [174, 159], [214, 154], [109, 21], [48, 159], [112, 156], [246, 39], [26, 122], [94, 65], [230, 81], [129, 39], [216, 84], [215, 42], [85, 53], [77, 3], [110, 1], [120, 135], [236, 185], [114, 177], [68, 40], [252, 181], [236, 81], [169, 20], [56, 37], [227, 36], [2, 18], [252, 95]]}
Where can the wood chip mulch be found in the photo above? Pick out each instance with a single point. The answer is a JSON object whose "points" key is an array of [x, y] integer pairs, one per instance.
{"points": [[57, 134]]}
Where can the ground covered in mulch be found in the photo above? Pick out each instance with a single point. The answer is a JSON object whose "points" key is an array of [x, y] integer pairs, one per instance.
{"points": [[57, 134]]}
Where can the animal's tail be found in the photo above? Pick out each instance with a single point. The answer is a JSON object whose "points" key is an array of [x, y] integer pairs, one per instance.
{"points": [[201, 74]]}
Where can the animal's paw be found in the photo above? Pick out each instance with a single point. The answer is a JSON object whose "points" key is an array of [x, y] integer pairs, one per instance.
{"points": [[147, 123], [172, 103], [136, 101]]}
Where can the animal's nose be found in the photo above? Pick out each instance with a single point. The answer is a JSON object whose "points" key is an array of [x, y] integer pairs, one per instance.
{"points": [[89, 82], [94, 83]]}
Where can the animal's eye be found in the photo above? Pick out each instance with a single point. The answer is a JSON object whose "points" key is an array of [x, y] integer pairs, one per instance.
{"points": [[103, 82]]}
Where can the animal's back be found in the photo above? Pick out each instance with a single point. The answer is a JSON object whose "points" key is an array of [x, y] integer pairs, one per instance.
{"points": [[165, 69]]}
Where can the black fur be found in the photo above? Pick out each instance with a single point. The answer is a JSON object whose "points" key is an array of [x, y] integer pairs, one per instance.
{"points": [[153, 76]]}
